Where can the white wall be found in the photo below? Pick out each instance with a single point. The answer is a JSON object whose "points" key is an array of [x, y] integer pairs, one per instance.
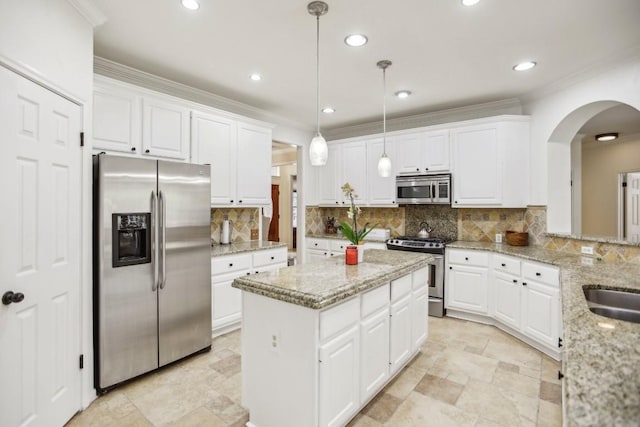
{"points": [[51, 42], [556, 117]]}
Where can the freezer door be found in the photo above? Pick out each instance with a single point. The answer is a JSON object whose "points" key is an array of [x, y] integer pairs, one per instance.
{"points": [[184, 297], [125, 296]]}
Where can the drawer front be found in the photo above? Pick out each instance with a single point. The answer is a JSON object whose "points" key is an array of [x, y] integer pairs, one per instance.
{"points": [[269, 256], [374, 300], [338, 318], [419, 278], [228, 264], [478, 258], [338, 246], [506, 264], [400, 287], [541, 273], [313, 243]]}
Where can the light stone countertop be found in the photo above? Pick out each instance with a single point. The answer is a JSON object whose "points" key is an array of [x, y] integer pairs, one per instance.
{"points": [[253, 245], [323, 283], [601, 360]]}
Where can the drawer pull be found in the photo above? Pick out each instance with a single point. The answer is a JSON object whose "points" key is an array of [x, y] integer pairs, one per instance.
{"points": [[450, 268], [248, 274], [515, 281], [503, 264], [524, 283], [466, 258], [230, 264], [273, 257], [538, 274]]}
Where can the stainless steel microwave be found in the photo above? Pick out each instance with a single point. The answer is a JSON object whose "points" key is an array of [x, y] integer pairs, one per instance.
{"points": [[423, 189]]}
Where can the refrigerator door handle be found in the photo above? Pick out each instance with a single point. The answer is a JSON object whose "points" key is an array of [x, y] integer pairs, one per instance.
{"points": [[154, 233], [163, 238]]}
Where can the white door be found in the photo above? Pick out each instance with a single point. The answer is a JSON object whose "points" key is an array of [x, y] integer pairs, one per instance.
{"points": [[419, 313], [339, 378], [40, 176], [116, 119], [354, 170], [400, 333], [466, 288], [165, 129], [409, 153], [374, 356], [507, 299], [633, 207], [328, 179], [540, 308], [254, 165], [436, 151], [382, 191]]}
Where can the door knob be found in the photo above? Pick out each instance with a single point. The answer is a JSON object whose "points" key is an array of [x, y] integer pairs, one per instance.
{"points": [[10, 297]]}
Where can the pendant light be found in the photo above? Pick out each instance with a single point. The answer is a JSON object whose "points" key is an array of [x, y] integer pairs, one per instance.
{"points": [[384, 164], [318, 150]]}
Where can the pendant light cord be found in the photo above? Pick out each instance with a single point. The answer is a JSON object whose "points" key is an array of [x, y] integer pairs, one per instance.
{"points": [[318, 75], [384, 111]]}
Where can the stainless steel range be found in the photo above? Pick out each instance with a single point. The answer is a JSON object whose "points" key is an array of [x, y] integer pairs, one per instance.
{"points": [[435, 278]]}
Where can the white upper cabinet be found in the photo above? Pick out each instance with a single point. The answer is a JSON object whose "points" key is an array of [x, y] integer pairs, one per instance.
{"points": [[354, 171], [490, 163], [381, 191], [240, 159], [253, 165], [213, 142], [436, 150], [423, 152], [165, 128], [137, 121], [328, 179], [116, 119]]}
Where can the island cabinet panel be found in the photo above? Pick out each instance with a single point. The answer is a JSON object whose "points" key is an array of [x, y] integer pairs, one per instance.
{"points": [[305, 367], [339, 394]]}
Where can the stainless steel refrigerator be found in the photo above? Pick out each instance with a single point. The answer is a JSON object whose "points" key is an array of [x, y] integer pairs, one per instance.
{"points": [[152, 265]]}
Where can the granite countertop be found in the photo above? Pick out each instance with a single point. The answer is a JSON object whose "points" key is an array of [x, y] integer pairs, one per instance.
{"points": [[321, 284], [601, 360], [252, 245]]}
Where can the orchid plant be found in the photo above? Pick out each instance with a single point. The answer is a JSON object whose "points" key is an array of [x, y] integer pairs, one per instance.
{"points": [[354, 235]]}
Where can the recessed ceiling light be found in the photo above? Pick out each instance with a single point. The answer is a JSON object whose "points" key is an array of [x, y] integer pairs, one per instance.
{"points": [[191, 4], [328, 110], [524, 66], [470, 2], [255, 77], [356, 40], [403, 94], [604, 137]]}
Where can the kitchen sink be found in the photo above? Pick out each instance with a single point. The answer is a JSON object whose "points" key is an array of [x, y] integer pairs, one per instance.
{"points": [[615, 304]]}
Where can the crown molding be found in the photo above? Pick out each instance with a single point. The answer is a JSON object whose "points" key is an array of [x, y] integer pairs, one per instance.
{"points": [[89, 11], [616, 60], [509, 106], [124, 73]]}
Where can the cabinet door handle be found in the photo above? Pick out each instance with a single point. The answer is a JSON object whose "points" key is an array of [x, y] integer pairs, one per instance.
{"points": [[248, 274], [146, 151], [272, 258], [426, 169], [417, 169], [231, 200], [538, 274], [230, 264], [133, 148], [560, 375], [524, 283], [503, 264], [450, 268], [239, 201], [515, 281], [466, 258], [315, 244], [455, 201]]}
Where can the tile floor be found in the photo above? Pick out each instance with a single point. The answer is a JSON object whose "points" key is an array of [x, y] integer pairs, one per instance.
{"points": [[467, 374]]}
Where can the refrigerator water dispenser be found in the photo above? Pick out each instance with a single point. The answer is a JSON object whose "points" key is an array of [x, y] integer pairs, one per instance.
{"points": [[131, 239]]}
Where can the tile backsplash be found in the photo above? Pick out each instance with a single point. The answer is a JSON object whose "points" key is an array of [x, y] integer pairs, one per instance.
{"points": [[482, 225], [391, 218], [243, 220]]}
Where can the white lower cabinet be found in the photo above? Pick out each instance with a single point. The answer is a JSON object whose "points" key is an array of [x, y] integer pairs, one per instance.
{"points": [[226, 301], [326, 365], [339, 397], [519, 294]]}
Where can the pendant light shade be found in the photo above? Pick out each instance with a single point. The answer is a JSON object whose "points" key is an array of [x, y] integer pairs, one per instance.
{"points": [[384, 164], [318, 150]]}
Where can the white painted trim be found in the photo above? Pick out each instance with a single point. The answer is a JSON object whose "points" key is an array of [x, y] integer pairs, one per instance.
{"points": [[142, 79], [510, 106], [89, 11]]}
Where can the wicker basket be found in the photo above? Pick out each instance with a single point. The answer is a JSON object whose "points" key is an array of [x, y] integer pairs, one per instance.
{"points": [[517, 238]]}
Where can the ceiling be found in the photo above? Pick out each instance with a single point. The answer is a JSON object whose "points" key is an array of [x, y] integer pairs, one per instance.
{"points": [[447, 54]]}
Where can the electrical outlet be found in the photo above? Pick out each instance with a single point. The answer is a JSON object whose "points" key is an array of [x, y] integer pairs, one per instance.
{"points": [[587, 250], [275, 341], [254, 234], [586, 260], [498, 238]]}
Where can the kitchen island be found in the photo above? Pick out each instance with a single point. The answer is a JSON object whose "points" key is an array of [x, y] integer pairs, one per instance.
{"points": [[320, 340]]}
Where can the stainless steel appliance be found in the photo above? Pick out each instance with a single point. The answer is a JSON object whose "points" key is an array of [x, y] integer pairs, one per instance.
{"points": [[423, 189], [151, 265], [435, 278]]}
